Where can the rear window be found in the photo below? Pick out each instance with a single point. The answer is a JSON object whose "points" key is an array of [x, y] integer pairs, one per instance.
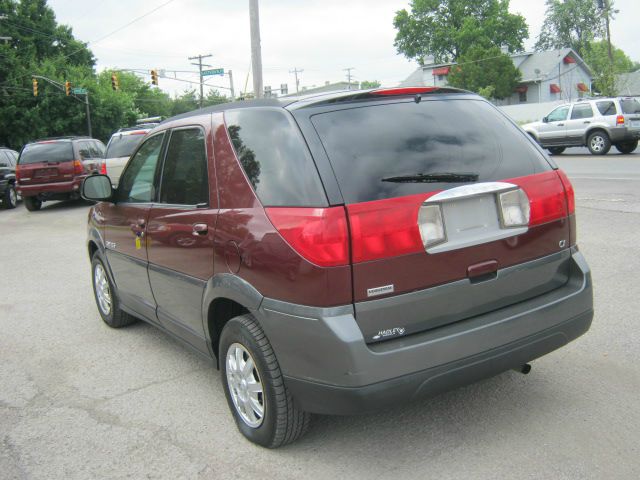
{"points": [[630, 105], [275, 158], [381, 151], [606, 108], [46, 152], [123, 145]]}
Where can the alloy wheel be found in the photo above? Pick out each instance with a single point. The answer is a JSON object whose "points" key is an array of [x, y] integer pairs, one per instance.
{"points": [[245, 385], [103, 292]]}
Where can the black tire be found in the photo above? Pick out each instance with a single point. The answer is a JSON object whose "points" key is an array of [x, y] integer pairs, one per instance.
{"points": [[32, 203], [114, 316], [627, 147], [10, 197], [599, 143], [282, 422], [556, 150]]}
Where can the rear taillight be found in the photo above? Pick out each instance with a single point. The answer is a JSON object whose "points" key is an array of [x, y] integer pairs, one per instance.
{"points": [[546, 195], [103, 168], [388, 228], [18, 168], [78, 168], [620, 120], [568, 189], [318, 234]]}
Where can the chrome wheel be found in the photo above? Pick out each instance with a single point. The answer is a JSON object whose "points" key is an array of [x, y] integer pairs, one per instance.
{"points": [[103, 292], [245, 385], [13, 197], [597, 143]]}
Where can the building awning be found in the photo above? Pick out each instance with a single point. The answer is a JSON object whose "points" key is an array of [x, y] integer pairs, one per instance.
{"points": [[569, 59], [582, 87], [441, 71], [522, 89], [555, 88]]}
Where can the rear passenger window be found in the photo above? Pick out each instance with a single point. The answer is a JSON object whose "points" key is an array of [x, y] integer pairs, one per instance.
{"points": [[606, 108], [184, 176], [84, 148], [275, 158], [581, 111], [97, 149]]}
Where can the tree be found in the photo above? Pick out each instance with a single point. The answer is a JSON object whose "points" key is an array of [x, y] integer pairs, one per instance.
{"points": [[596, 56], [447, 29], [571, 23], [489, 72], [366, 84]]}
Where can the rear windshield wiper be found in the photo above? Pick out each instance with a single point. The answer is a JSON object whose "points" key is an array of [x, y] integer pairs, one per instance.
{"points": [[434, 178]]}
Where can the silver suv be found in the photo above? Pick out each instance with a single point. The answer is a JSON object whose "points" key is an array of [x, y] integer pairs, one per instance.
{"points": [[595, 123]]}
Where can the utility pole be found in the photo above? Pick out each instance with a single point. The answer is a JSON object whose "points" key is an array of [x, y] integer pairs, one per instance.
{"points": [[233, 92], [256, 52], [348, 70], [295, 71], [200, 65]]}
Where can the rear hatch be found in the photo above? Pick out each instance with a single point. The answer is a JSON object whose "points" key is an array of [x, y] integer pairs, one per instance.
{"points": [[443, 192], [631, 110], [119, 149], [48, 161]]}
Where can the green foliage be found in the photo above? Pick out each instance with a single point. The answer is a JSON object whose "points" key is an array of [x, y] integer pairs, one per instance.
{"points": [[596, 55], [447, 29], [366, 84], [489, 72], [570, 23]]}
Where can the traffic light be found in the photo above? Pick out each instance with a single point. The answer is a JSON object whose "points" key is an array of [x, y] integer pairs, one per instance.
{"points": [[67, 87], [115, 84], [35, 87], [154, 77]]}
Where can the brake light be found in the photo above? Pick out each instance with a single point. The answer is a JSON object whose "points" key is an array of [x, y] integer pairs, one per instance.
{"points": [[547, 198], [103, 168], [404, 91], [78, 168], [568, 189], [18, 168], [386, 228], [318, 234], [620, 120]]}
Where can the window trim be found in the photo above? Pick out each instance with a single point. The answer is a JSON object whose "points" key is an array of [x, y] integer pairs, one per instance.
{"points": [[185, 206], [163, 147]]}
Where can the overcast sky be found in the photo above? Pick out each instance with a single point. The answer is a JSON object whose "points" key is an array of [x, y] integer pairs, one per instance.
{"points": [[322, 37]]}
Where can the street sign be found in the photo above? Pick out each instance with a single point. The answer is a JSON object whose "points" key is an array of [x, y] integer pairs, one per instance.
{"points": [[79, 91], [213, 71]]}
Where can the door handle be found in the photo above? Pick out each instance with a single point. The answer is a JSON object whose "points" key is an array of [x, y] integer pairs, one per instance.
{"points": [[200, 229], [561, 124], [586, 121]]}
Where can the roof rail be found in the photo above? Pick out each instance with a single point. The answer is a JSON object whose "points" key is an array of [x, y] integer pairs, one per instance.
{"points": [[68, 137]]}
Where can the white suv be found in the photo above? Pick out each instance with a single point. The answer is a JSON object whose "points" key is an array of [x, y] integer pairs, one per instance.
{"points": [[120, 147], [595, 123]]}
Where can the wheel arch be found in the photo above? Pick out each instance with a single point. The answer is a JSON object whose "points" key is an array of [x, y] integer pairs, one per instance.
{"points": [[593, 130]]}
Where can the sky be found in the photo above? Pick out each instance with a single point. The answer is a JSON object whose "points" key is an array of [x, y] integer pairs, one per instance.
{"points": [[320, 37]]}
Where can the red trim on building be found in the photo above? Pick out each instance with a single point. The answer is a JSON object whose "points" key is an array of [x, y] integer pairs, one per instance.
{"points": [[569, 59], [555, 88], [522, 88], [441, 71], [582, 87]]}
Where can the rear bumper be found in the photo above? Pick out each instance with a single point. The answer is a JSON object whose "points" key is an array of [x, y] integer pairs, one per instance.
{"points": [[329, 368], [50, 190], [624, 134]]}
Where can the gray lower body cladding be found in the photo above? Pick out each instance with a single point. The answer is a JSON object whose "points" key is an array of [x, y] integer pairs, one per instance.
{"points": [[330, 368]]}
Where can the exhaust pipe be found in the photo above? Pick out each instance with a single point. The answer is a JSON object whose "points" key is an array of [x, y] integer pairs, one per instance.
{"points": [[524, 369]]}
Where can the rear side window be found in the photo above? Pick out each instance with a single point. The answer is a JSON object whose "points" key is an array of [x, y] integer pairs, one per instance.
{"points": [[606, 108], [184, 176], [137, 182], [123, 145], [399, 149], [84, 150], [581, 111], [630, 105], [46, 152], [275, 158]]}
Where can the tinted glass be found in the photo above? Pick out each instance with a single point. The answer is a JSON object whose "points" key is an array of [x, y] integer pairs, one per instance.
{"points": [[137, 182], [184, 176], [5, 161], [97, 149], [60, 151], [630, 105], [374, 149], [123, 145], [558, 114], [581, 111], [275, 158], [606, 108], [84, 150]]}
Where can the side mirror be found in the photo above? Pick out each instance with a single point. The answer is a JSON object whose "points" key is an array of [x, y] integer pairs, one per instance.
{"points": [[97, 188], [545, 119]]}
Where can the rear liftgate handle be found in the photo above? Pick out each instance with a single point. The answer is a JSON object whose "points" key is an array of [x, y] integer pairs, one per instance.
{"points": [[483, 271]]}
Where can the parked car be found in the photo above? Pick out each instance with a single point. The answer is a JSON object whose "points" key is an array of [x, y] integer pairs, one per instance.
{"points": [[595, 123], [8, 194], [120, 147], [355, 250], [53, 168]]}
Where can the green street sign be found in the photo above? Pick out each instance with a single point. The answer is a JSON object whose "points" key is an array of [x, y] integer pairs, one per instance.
{"points": [[214, 71], [79, 91]]}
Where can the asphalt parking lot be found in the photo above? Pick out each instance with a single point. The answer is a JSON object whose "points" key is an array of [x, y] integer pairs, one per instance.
{"points": [[80, 400]]}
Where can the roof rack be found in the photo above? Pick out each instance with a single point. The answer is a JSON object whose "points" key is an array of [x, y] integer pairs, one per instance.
{"points": [[68, 137]]}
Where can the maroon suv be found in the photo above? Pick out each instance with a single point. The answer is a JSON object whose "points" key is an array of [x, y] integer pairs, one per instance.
{"points": [[54, 168], [340, 253]]}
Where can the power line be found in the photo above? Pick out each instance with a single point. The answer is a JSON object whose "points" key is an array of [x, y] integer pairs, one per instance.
{"points": [[200, 65], [348, 70], [295, 71]]}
